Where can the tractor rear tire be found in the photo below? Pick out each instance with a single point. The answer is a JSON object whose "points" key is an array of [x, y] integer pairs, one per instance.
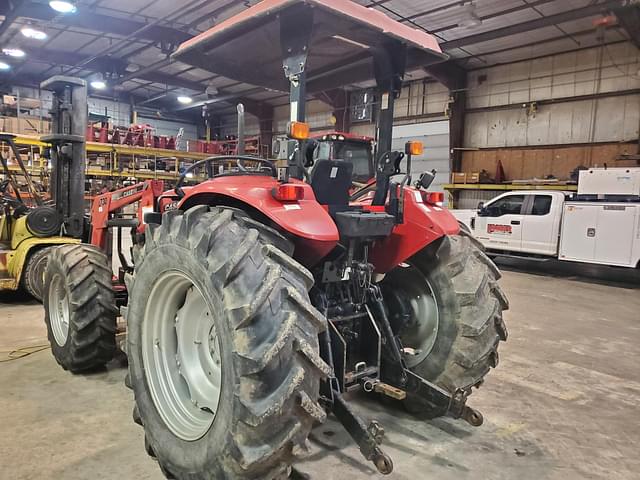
{"points": [[459, 288], [79, 305], [33, 273], [254, 322]]}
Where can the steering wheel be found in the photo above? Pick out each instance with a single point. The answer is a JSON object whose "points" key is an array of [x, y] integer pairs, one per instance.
{"points": [[5, 197], [240, 159]]}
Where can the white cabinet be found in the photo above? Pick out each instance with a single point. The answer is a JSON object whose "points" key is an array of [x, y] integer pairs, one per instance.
{"points": [[605, 233]]}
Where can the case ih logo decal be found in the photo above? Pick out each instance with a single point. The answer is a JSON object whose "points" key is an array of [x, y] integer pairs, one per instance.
{"points": [[500, 229]]}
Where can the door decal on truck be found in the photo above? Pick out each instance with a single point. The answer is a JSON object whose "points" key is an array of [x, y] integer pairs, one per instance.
{"points": [[500, 229]]}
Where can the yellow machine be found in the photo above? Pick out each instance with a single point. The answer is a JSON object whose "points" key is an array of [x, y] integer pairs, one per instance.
{"points": [[27, 232]]}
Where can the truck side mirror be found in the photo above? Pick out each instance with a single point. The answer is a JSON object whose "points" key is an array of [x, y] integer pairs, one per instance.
{"points": [[480, 205]]}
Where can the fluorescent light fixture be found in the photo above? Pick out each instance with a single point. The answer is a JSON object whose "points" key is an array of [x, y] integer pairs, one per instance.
{"points": [[5, 66], [183, 99], [63, 6], [13, 52], [350, 42], [30, 32], [469, 18], [99, 84]]}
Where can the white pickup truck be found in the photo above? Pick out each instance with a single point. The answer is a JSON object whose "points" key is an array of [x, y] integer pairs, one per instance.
{"points": [[592, 227]]}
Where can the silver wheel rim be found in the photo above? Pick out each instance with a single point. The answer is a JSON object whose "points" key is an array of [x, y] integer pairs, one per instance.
{"points": [[421, 333], [59, 310], [181, 356]]}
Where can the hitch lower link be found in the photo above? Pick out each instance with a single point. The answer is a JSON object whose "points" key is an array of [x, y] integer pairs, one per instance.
{"points": [[399, 379], [368, 437]]}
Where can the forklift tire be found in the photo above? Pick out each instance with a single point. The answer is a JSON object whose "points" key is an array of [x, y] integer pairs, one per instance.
{"points": [[223, 347], [34, 271], [457, 285], [79, 306]]}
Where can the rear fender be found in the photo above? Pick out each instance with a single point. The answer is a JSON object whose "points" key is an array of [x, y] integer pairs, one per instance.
{"points": [[313, 230], [424, 224]]}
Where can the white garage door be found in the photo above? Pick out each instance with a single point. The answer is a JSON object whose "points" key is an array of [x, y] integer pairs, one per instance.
{"points": [[435, 136]]}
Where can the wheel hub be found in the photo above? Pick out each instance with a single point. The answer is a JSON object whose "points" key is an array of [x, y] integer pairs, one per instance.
{"points": [[408, 291], [59, 310], [181, 355]]}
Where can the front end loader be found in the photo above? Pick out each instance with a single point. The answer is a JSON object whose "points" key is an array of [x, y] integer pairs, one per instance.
{"points": [[261, 296]]}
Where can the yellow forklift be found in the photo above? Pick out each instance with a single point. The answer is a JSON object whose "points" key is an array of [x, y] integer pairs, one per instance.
{"points": [[29, 226]]}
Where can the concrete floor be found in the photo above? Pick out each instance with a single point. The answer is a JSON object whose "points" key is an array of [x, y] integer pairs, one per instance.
{"points": [[562, 404]]}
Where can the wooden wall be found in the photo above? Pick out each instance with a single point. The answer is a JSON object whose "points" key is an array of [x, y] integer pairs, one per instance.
{"points": [[529, 162]]}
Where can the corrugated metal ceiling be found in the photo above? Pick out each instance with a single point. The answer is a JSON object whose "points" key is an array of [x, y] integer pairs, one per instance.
{"points": [[441, 17]]}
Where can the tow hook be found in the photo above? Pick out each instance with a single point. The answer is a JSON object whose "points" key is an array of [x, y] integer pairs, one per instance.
{"points": [[472, 416]]}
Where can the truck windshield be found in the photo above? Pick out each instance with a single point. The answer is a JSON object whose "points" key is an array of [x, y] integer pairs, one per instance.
{"points": [[358, 153]]}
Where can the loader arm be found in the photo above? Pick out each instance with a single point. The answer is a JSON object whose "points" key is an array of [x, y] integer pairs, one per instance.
{"points": [[105, 205]]}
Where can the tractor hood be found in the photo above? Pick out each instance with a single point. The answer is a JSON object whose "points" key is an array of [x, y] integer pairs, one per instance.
{"points": [[344, 37]]}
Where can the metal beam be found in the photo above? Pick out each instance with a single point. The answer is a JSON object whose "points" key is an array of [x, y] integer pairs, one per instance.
{"points": [[110, 65], [449, 74], [340, 100], [11, 14], [629, 18], [102, 23], [501, 13], [523, 27]]}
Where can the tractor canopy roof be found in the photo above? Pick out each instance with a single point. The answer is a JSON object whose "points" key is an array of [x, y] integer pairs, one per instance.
{"points": [[250, 46]]}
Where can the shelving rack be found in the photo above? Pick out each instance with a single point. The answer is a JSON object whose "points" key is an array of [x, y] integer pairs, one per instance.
{"points": [[106, 161]]}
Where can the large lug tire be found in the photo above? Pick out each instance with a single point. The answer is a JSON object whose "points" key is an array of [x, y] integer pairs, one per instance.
{"points": [[33, 272], [447, 306], [244, 415], [79, 305]]}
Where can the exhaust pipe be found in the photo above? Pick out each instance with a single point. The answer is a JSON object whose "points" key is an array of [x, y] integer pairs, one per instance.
{"points": [[240, 129]]}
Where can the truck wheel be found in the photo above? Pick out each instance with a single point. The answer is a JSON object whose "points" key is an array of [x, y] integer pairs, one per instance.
{"points": [[223, 347], [79, 306], [33, 273], [446, 305]]}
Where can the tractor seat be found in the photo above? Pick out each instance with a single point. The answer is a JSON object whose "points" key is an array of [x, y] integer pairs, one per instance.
{"points": [[331, 182]]}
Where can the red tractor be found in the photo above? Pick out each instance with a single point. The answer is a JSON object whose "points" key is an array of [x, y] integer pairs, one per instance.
{"points": [[259, 297]]}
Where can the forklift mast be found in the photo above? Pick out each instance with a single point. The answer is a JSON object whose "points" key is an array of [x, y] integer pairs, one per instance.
{"points": [[69, 115]]}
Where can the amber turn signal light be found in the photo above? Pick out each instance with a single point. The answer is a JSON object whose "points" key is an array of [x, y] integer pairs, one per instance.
{"points": [[298, 130], [414, 148]]}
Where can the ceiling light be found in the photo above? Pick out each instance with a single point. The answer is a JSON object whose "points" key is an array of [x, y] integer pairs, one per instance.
{"points": [[63, 6], [13, 52], [469, 18], [183, 99], [30, 32], [5, 66], [99, 84]]}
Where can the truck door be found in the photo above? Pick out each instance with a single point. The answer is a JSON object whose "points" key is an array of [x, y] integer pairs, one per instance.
{"points": [[499, 223], [541, 224]]}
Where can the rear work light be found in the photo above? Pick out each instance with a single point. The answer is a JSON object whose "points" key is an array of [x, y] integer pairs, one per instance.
{"points": [[288, 192], [435, 198]]}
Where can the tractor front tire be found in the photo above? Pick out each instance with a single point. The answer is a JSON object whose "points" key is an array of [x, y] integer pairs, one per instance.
{"points": [[79, 305], [447, 305], [223, 347], [33, 273]]}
